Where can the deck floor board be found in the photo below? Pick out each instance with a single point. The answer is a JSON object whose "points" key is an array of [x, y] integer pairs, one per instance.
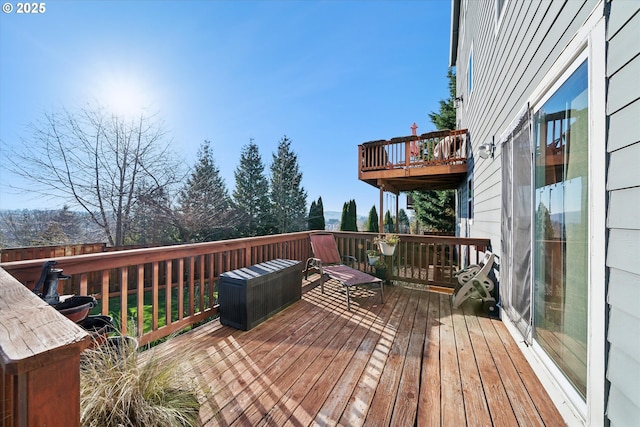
{"points": [[412, 361]]}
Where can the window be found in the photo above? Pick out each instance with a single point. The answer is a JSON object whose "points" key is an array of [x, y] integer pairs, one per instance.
{"points": [[561, 227]]}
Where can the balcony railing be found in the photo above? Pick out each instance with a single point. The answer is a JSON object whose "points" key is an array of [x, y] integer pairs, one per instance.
{"points": [[429, 149], [431, 161]]}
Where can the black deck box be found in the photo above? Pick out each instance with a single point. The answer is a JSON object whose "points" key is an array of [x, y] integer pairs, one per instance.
{"points": [[250, 295]]}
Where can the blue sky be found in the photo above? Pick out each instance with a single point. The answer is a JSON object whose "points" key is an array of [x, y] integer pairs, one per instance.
{"points": [[327, 74]]}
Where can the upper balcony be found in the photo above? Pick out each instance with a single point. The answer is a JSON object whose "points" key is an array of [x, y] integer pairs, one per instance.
{"points": [[431, 161]]}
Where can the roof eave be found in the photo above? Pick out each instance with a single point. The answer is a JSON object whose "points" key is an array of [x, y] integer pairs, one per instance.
{"points": [[455, 21]]}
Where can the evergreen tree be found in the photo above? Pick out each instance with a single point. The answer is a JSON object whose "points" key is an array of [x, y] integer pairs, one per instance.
{"points": [[288, 197], [372, 222], [316, 215], [436, 209], [349, 221], [544, 226], [446, 117], [389, 224], [403, 221], [353, 216], [251, 195], [320, 208], [343, 217], [51, 235], [312, 215], [205, 204], [69, 222], [153, 219]]}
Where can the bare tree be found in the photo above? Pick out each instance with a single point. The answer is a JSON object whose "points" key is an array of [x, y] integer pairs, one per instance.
{"points": [[47, 227], [97, 161], [25, 228]]}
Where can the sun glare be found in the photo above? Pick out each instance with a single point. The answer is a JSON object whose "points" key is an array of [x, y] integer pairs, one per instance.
{"points": [[124, 96]]}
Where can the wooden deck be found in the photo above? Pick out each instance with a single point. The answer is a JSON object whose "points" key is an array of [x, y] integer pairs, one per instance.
{"points": [[410, 361]]}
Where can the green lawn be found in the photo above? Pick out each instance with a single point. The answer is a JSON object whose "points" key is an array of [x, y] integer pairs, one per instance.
{"points": [[115, 307]]}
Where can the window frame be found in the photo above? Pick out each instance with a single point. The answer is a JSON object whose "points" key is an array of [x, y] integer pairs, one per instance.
{"points": [[589, 43], [573, 394]]}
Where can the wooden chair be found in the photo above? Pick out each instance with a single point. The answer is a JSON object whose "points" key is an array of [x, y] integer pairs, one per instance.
{"points": [[327, 261]]}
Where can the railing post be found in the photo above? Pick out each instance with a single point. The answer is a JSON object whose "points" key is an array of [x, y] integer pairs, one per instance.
{"points": [[407, 153], [40, 372], [247, 253]]}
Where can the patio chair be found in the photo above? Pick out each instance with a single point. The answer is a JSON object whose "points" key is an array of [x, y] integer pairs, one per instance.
{"points": [[474, 282], [326, 259]]}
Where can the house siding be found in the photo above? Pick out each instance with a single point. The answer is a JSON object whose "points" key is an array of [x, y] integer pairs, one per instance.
{"points": [[623, 216], [510, 64], [513, 58]]}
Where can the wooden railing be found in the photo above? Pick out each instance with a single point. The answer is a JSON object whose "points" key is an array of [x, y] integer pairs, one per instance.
{"points": [[34, 252], [426, 260], [40, 348], [158, 291], [429, 149]]}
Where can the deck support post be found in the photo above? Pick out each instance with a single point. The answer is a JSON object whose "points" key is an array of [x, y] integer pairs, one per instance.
{"points": [[381, 214]]}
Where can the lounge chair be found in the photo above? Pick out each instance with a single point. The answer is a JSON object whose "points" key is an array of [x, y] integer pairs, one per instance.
{"points": [[474, 282], [326, 259]]}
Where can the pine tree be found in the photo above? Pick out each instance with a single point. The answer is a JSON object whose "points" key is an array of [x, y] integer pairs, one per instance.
{"points": [[372, 221], [446, 117], [251, 195], [51, 235], [436, 208], [205, 204], [349, 222], [312, 215], [343, 218], [316, 215], [153, 219], [403, 221], [389, 224], [320, 207], [353, 216], [288, 197]]}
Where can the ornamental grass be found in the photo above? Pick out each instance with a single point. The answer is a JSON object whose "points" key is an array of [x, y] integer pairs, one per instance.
{"points": [[118, 389]]}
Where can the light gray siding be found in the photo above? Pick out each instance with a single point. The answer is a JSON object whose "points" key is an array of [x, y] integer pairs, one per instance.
{"points": [[623, 217], [509, 62]]}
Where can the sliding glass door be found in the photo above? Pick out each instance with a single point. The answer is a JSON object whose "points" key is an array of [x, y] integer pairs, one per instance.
{"points": [[561, 219]]}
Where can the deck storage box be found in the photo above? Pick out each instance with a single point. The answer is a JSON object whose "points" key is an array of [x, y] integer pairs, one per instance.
{"points": [[250, 295]]}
